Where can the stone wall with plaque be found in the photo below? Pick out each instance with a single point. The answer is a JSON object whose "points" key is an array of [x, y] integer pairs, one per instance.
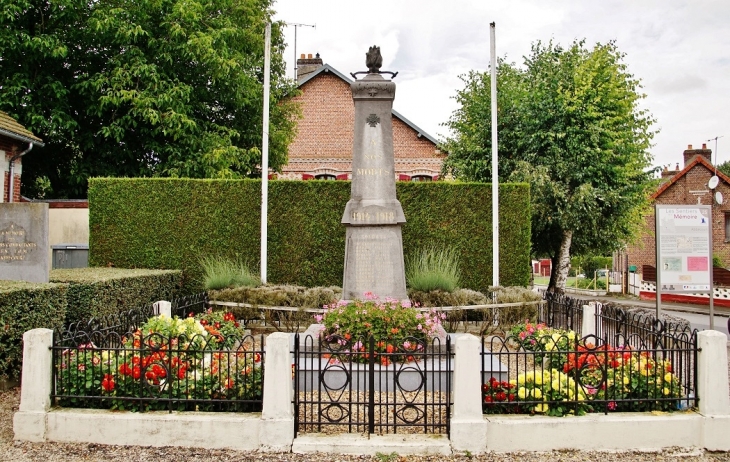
{"points": [[24, 242]]}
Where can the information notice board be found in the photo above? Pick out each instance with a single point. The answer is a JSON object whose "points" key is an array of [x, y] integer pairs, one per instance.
{"points": [[684, 248]]}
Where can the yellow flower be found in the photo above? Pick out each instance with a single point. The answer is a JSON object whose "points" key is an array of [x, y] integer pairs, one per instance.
{"points": [[537, 393], [555, 385], [549, 346], [542, 408], [668, 377], [522, 393], [666, 391], [513, 382], [538, 379], [571, 335], [626, 380]]}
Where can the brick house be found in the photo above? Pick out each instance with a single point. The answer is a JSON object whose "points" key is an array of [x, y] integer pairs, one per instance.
{"points": [[322, 148], [688, 186], [15, 142]]}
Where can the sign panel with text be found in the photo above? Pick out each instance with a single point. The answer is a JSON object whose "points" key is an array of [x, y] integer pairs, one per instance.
{"points": [[684, 248]]}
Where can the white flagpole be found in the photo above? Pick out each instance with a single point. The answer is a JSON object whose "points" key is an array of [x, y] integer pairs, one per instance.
{"points": [[495, 157], [265, 156]]}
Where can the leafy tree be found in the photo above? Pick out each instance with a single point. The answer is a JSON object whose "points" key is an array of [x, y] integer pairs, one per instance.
{"points": [[142, 88], [725, 167], [569, 124]]}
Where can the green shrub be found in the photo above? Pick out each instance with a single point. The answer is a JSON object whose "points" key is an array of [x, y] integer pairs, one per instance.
{"points": [[434, 269], [96, 292], [171, 223], [220, 272], [25, 306]]}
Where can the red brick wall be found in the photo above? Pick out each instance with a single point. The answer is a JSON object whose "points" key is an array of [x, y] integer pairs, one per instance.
{"points": [[10, 148], [325, 134], [642, 252]]}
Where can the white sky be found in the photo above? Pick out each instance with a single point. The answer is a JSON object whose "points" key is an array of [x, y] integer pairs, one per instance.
{"points": [[680, 49]]}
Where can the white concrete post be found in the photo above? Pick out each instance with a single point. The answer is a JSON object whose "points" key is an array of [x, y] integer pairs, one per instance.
{"points": [[712, 389], [29, 423], [712, 383], [468, 427], [276, 432], [588, 326], [163, 307]]}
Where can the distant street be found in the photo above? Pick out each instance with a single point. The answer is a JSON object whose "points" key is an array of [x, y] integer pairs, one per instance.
{"points": [[697, 315]]}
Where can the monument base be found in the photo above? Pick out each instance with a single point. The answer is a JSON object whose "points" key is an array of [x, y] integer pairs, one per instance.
{"points": [[374, 262]]}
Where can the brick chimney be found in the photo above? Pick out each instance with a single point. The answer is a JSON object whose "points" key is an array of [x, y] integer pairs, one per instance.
{"points": [[690, 153], [307, 65]]}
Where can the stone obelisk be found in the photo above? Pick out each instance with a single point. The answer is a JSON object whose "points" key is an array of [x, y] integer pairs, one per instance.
{"points": [[373, 216]]}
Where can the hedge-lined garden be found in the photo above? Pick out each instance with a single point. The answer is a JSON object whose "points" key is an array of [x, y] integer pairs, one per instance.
{"points": [[173, 223]]}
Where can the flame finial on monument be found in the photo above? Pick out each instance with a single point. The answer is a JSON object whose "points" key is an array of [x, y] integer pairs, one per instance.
{"points": [[373, 61]]}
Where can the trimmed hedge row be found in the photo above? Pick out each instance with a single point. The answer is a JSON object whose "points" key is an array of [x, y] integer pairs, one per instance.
{"points": [[96, 292], [172, 223], [72, 295]]}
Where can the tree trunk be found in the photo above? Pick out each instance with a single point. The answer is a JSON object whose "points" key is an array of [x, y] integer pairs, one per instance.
{"points": [[560, 270]]}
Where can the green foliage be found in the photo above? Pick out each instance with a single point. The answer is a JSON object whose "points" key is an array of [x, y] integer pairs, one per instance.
{"points": [[219, 273], [95, 292], [571, 125], [717, 261], [172, 223], [142, 88], [25, 306], [433, 269]]}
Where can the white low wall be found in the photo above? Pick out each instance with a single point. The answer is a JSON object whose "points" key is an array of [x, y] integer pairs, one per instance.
{"points": [[273, 429]]}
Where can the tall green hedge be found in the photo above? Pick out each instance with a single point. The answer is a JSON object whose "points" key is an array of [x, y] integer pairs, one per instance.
{"points": [[172, 223]]}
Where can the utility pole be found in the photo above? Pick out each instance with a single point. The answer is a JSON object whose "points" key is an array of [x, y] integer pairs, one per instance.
{"points": [[296, 24]]}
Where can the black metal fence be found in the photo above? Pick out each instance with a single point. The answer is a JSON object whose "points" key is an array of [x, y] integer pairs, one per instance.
{"points": [[365, 386], [632, 363], [109, 363], [558, 375], [156, 372], [94, 329], [562, 312]]}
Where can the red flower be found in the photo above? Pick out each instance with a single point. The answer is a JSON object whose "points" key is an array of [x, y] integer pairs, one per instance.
{"points": [[159, 371], [501, 396], [487, 399], [257, 358], [511, 397], [390, 348], [181, 372], [108, 383], [229, 384], [136, 372], [124, 369]]}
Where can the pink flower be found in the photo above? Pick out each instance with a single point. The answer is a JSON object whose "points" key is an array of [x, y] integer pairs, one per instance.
{"points": [[407, 345], [612, 405], [318, 318]]}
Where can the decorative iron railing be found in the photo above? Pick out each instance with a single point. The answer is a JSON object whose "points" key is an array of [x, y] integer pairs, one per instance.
{"points": [[365, 386], [109, 370], [563, 312], [558, 374]]}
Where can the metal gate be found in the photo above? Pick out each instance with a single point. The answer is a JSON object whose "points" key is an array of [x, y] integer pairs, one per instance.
{"points": [[346, 385]]}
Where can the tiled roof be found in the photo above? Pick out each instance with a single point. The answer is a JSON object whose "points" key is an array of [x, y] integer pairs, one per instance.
{"points": [[11, 128], [697, 160], [327, 69]]}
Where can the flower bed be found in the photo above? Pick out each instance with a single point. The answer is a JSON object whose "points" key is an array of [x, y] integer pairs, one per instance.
{"points": [[203, 362], [398, 330], [564, 374]]}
